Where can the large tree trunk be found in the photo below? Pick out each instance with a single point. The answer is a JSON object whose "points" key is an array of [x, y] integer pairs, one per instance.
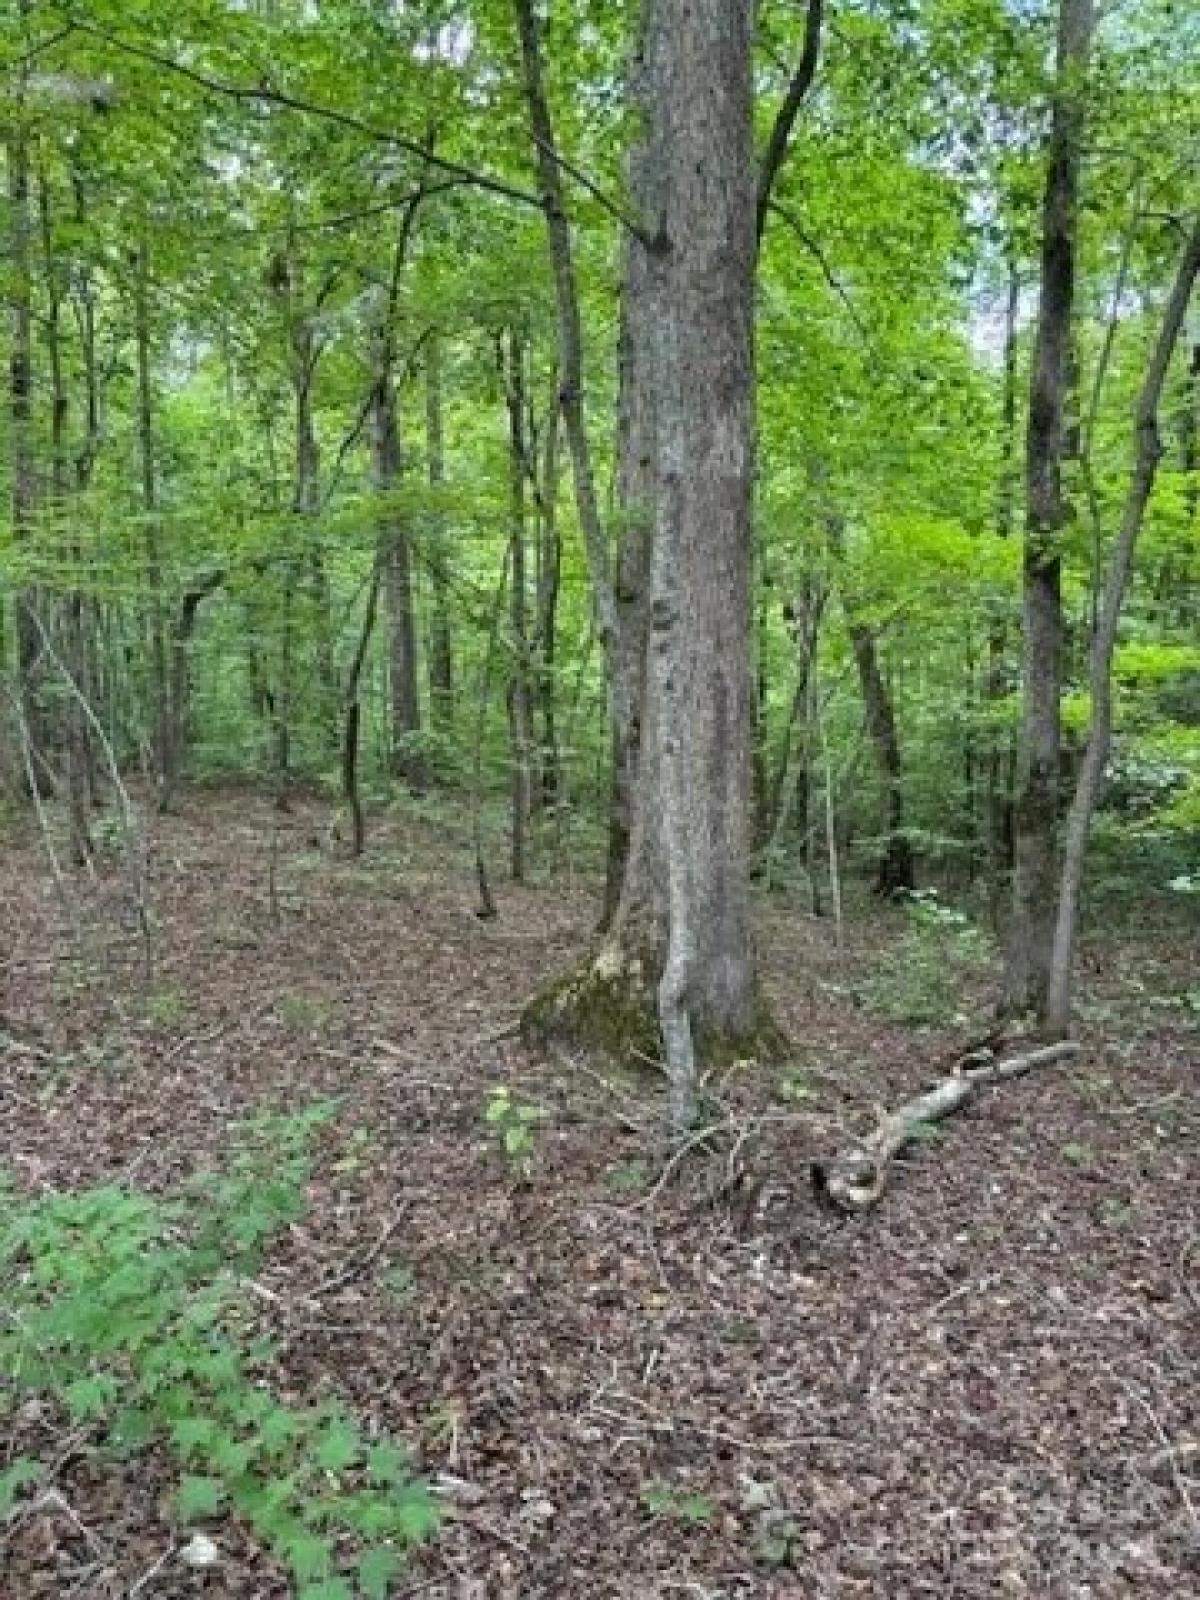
{"points": [[1096, 752], [680, 931], [1035, 864], [701, 161]]}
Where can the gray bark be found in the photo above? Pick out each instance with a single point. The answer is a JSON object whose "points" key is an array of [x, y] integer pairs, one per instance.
{"points": [[701, 152], [1035, 863]]}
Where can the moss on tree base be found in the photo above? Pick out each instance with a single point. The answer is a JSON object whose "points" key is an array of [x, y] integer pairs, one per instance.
{"points": [[607, 1008]]}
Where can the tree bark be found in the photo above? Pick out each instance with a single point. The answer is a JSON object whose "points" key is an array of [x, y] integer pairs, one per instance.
{"points": [[441, 650], [1036, 809], [164, 754], [23, 485], [407, 761], [895, 870], [547, 584], [520, 709], [1095, 759], [702, 159], [998, 781]]}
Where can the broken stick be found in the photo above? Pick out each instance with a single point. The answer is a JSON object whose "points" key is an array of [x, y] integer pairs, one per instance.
{"points": [[855, 1179]]}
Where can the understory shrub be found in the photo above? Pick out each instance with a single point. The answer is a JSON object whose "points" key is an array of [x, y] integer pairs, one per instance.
{"points": [[129, 1312]]}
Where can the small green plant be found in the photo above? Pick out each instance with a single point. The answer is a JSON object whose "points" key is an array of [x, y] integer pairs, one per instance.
{"points": [[357, 1152], [1079, 1155], [795, 1087], [165, 1008], [629, 1177], [399, 1282], [514, 1123], [663, 1500], [305, 1013], [128, 1311]]}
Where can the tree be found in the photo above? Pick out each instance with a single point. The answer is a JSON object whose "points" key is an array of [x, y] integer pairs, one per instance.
{"points": [[1036, 809]]}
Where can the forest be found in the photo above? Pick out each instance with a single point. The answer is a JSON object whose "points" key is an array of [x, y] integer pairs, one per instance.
{"points": [[599, 799]]}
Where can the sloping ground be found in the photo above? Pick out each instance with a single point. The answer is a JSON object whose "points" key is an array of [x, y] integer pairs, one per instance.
{"points": [[622, 1387]]}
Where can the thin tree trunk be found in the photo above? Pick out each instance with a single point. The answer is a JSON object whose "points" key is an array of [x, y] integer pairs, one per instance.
{"points": [[997, 794], [180, 688], [22, 474], [408, 762], [441, 652], [570, 321], [895, 869], [548, 583], [1095, 759], [351, 726], [512, 364], [1035, 866], [164, 755], [75, 724]]}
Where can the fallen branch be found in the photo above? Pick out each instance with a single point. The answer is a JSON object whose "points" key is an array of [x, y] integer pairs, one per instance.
{"points": [[856, 1178]]}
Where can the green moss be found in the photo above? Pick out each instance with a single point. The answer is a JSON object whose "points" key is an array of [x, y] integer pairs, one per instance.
{"points": [[607, 1008]]}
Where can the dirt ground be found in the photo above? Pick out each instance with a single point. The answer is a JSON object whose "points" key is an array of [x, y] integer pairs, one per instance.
{"points": [[625, 1383]]}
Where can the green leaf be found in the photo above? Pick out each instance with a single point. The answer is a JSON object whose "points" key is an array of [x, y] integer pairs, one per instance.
{"points": [[339, 1446], [387, 1463], [88, 1397], [23, 1472], [418, 1515], [308, 1556], [326, 1589], [199, 1497], [376, 1569]]}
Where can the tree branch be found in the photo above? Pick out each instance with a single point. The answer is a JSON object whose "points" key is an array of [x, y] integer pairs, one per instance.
{"points": [[264, 94], [785, 118]]}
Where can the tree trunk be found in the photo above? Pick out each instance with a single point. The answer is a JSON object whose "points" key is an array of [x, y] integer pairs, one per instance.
{"points": [[1035, 865], [679, 934], [997, 792], [181, 687], [73, 652], [22, 475], [352, 721], [1095, 759], [702, 168], [520, 719], [441, 653], [895, 871], [547, 585], [408, 762], [165, 757]]}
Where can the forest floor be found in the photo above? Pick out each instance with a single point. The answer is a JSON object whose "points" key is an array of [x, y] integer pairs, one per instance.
{"points": [[620, 1384]]}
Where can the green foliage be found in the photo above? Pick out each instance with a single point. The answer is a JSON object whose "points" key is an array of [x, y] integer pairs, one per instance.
{"points": [[629, 1177], [514, 1123], [940, 954], [661, 1499], [128, 1310]]}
